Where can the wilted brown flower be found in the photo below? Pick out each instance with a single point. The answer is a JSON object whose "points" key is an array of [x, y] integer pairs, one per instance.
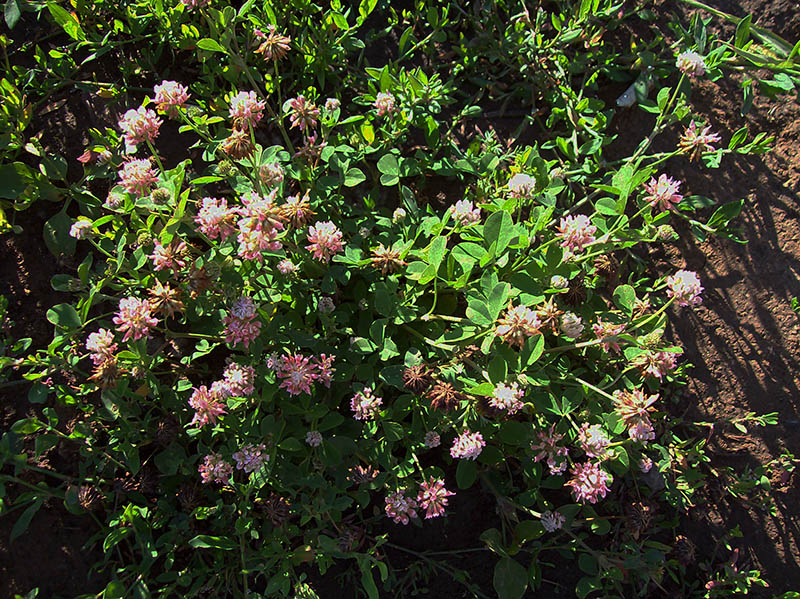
{"points": [[350, 539], [297, 210], [188, 496], [684, 550], [387, 259], [276, 508], [166, 299], [607, 267], [237, 145], [275, 45], [198, 281], [361, 475], [444, 397], [106, 373], [417, 378], [89, 498], [166, 430], [638, 518], [576, 293], [549, 314]]}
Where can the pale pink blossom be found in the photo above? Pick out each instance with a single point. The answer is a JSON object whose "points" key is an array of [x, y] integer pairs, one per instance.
{"points": [[207, 405], [172, 257], [138, 125], [271, 174], [663, 192], [519, 323], [691, 63], [521, 185], [287, 267], [645, 465], [332, 104], [507, 397], [400, 508], [696, 143], [432, 497], [594, 441], [303, 114], [432, 439], [81, 229], [215, 468], [241, 325], [552, 521], [384, 103], [134, 318], [170, 96], [239, 379], [246, 110], [254, 240], [297, 372], [465, 213], [325, 369], [589, 482], [251, 457], [608, 331], [314, 438], [215, 219], [325, 240], [365, 404], [137, 176], [633, 408], [576, 232], [101, 345], [571, 325], [685, 287], [656, 364], [467, 445], [549, 450]]}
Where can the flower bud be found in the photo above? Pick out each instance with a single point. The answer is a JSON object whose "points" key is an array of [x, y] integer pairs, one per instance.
{"points": [[399, 215], [558, 282]]}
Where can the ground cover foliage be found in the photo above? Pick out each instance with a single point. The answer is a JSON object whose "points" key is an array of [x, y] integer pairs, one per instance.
{"points": [[281, 349]]}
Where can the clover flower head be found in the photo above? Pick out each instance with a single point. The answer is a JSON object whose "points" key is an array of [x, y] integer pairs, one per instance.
{"points": [[552, 521], [215, 468], [246, 110], [697, 142], [594, 441], [271, 174], [251, 457], [314, 438], [303, 114], [399, 215], [467, 445], [297, 372], [432, 439], [400, 508], [465, 213], [559, 282], [432, 497], [608, 330], [685, 287], [134, 318], [549, 314], [241, 325], [287, 267], [165, 300], [101, 345], [645, 465], [256, 238], [589, 482], [170, 96], [519, 323], [137, 176], [215, 219], [571, 325], [138, 125], [325, 369], [297, 210], [207, 405], [633, 408], [663, 192], [365, 404], [656, 364], [549, 450], [507, 398], [576, 232], [243, 308], [691, 63], [332, 104], [170, 257], [325, 304], [325, 240], [81, 229], [275, 45], [239, 379], [521, 185], [384, 103]]}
